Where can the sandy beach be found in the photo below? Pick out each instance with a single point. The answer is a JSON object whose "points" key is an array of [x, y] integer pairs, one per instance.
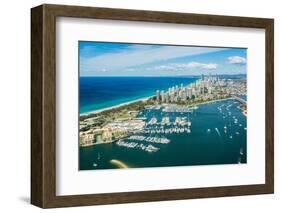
{"points": [[116, 106]]}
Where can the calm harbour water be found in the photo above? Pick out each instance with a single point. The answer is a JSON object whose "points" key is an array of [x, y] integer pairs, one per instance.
{"points": [[215, 138]]}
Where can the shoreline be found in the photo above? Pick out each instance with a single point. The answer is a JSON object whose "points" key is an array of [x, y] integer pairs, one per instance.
{"points": [[116, 106], [145, 99]]}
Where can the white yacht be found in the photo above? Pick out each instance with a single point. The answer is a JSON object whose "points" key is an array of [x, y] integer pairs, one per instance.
{"points": [[241, 151]]}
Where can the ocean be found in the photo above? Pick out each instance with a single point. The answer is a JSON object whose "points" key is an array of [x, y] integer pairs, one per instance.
{"points": [[101, 92]]}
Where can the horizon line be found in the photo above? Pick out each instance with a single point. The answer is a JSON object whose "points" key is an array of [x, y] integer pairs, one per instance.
{"points": [[158, 75]]}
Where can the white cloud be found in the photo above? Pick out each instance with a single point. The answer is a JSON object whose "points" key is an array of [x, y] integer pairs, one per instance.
{"points": [[137, 55], [236, 60], [181, 67], [209, 66]]}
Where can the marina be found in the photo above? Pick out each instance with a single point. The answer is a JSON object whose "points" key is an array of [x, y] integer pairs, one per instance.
{"points": [[212, 133]]}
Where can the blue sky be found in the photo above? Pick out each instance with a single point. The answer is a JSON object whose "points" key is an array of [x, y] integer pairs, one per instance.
{"points": [[121, 59]]}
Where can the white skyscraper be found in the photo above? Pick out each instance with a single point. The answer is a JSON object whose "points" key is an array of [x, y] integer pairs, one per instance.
{"points": [[158, 95], [189, 93], [162, 96]]}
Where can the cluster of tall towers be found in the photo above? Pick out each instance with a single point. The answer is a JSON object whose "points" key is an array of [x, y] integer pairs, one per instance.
{"points": [[193, 90]]}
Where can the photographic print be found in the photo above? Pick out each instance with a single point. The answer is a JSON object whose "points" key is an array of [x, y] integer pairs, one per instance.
{"points": [[157, 105], [181, 104]]}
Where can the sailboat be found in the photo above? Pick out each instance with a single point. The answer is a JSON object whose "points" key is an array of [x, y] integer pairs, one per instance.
{"points": [[95, 164], [241, 151]]}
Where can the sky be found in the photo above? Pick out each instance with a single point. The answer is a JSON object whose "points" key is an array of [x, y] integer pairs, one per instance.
{"points": [[122, 59]]}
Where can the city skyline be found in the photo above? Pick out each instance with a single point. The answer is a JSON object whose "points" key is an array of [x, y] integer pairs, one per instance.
{"points": [[158, 60]]}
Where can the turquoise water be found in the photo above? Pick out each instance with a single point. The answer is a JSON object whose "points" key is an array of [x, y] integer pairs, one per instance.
{"points": [[199, 147], [101, 92]]}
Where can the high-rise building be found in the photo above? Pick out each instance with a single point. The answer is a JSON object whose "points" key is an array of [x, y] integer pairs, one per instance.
{"points": [[170, 91], [162, 96], [202, 77], [189, 93], [173, 90], [181, 94], [166, 97], [194, 92], [172, 96], [184, 95], [158, 95]]}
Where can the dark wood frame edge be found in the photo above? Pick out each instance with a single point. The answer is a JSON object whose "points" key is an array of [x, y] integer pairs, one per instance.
{"points": [[43, 105]]}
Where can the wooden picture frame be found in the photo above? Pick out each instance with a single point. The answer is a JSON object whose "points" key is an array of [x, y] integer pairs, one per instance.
{"points": [[43, 105]]}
